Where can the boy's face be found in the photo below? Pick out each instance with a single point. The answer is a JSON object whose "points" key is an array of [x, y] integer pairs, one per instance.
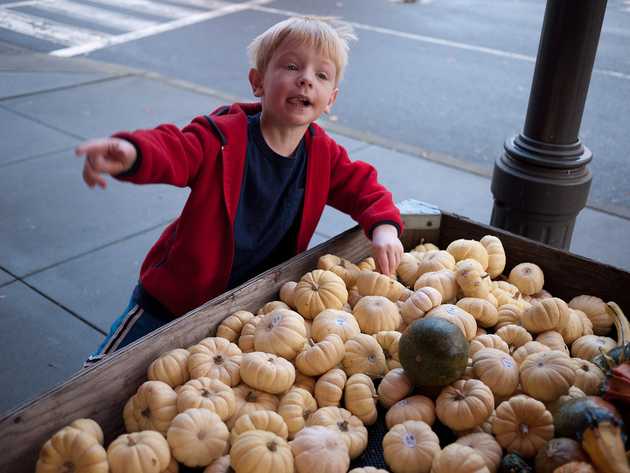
{"points": [[298, 85]]}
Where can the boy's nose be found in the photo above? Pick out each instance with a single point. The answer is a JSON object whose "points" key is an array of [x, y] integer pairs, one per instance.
{"points": [[305, 81]]}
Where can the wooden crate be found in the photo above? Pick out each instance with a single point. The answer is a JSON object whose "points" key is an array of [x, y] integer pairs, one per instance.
{"points": [[100, 392]]}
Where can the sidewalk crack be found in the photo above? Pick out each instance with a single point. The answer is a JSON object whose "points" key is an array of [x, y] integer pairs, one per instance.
{"points": [[68, 87], [42, 123], [53, 301]]}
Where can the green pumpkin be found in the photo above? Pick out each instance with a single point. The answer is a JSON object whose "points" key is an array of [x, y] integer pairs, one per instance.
{"points": [[574, 416], [513, 463], [433, 352]]}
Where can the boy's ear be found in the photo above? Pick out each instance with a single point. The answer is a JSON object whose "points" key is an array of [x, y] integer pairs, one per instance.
{"points": [[255, 80], [331, 100]]}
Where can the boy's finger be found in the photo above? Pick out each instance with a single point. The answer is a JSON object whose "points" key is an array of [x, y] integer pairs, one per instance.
{"points": [[109, 166], [377, 261], [396, 259], [99, 164], [87, 176], [91, 176], [98, 145], [392, 263], [84, 148], [383, 263]]}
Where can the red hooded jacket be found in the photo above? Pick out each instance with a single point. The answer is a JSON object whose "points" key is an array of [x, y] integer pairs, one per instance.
{"points": [[192, 260]]}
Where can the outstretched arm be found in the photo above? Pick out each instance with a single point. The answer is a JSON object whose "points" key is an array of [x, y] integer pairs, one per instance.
{"points": [[162, 155]]}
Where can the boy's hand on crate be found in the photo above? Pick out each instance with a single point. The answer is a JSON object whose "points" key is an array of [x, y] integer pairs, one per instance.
{"points": [[386, 249], [105, 156]]}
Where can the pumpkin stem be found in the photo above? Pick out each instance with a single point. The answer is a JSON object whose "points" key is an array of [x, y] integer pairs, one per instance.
{"points": [[251, 396], [343, 425], [218, 359], [146, 412], [131, 442], [459, 395], [205, 393], [67, 467], [524, 429], [272, 446]]}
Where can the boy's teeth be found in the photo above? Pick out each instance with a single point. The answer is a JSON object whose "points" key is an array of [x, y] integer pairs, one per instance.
{"points": [[299, 101]]}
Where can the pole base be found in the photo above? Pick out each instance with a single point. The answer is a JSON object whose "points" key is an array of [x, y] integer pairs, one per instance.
{"points": [[536, 194]]}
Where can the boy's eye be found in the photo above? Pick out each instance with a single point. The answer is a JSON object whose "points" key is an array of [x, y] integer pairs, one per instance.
{"points": [[322, 75], [292, 67]]}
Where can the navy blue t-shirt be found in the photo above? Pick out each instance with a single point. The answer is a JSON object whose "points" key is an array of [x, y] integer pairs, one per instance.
{"points": [[269, 207]]}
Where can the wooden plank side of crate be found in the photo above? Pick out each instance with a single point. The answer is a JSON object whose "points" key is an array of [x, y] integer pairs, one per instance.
{"points": [[101, 391], [566, 275]]}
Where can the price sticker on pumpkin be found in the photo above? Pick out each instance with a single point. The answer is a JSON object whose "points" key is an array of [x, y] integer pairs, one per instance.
{"points": [[409, 440], [276, 319], [507, 362], [340, 322]]}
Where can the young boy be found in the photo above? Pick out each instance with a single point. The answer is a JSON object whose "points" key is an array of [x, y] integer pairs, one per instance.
{"points": [[260, 175]]}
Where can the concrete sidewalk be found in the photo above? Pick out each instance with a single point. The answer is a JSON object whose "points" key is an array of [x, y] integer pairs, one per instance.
{"points": [[69, 255]]}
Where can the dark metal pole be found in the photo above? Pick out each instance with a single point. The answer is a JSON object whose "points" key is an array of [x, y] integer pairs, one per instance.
{"points": [[542, 181]]}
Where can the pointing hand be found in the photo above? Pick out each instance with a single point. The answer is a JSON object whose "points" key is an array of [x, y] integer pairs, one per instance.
{"points": [[105, 156]]}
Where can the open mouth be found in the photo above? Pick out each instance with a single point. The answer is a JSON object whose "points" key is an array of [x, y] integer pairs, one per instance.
{"points": [[300, 100]]}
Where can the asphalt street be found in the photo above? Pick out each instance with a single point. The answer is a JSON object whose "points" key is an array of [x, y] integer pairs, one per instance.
{"points": [[445, 79]]}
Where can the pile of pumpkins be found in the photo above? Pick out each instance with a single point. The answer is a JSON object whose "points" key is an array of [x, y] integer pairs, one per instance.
{"points": [[494, 358]]}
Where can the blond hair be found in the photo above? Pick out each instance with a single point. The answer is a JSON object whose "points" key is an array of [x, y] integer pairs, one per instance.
{"points": [[326, 34]]}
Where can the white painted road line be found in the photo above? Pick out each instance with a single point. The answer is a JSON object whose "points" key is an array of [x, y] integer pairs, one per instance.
{"points": [[203, 4], [160, 28], [96, 15], [441, 42], [415, 37], [150, 7], [23, 3], [48, 30]]}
